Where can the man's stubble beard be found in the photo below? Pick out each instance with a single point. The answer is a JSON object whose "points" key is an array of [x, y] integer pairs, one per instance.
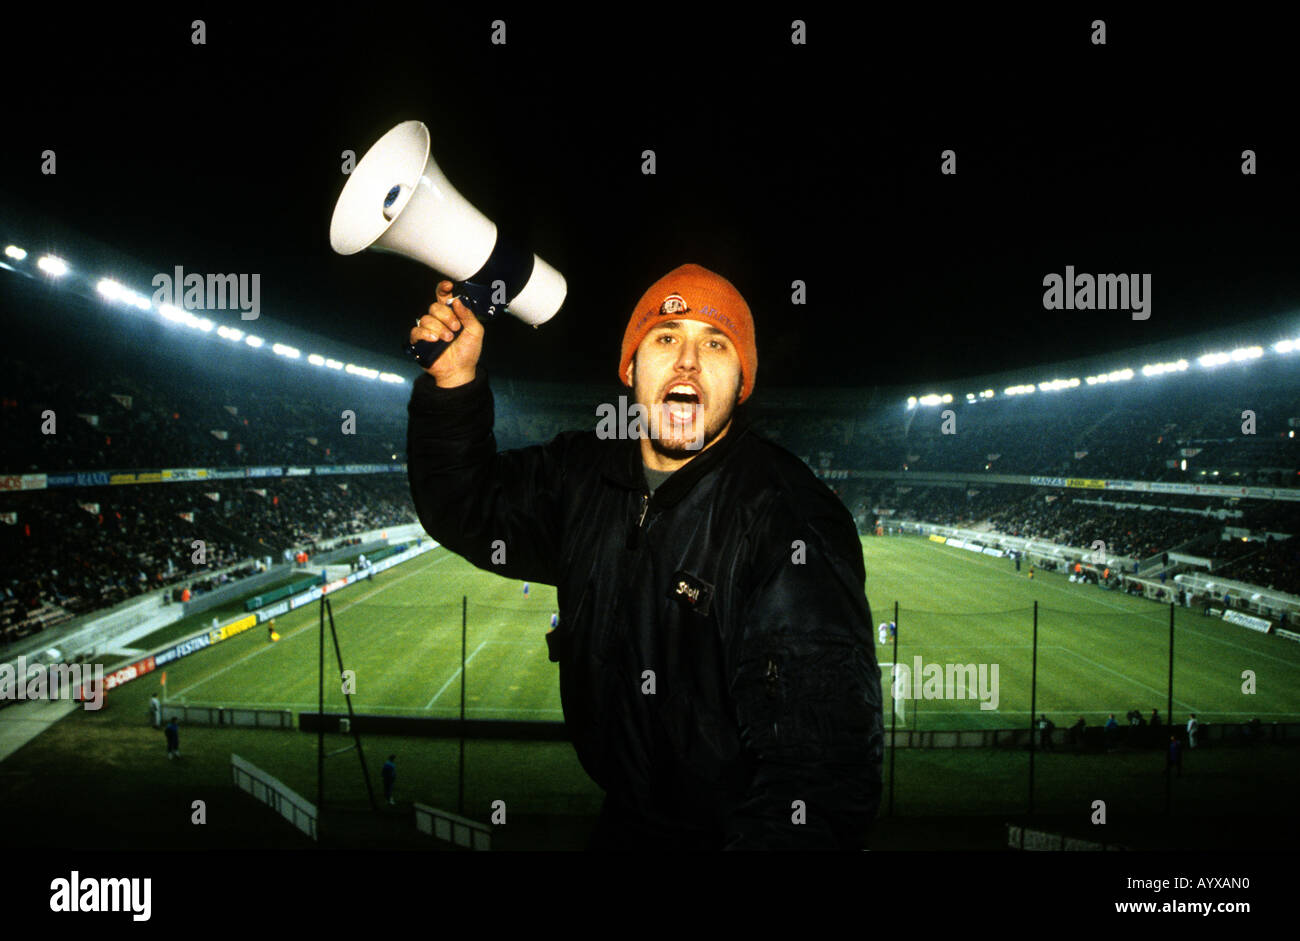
{"points": [[686, 450]]}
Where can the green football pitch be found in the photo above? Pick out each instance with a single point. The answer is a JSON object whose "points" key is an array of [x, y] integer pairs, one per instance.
{"points": [[104, 773], [962, 614]]}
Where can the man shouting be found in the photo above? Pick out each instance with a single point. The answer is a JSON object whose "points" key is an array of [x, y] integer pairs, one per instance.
{"points": [[714, 639]]}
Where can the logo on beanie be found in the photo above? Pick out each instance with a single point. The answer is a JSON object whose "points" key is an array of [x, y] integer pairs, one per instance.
{"points": [[673, 304]]}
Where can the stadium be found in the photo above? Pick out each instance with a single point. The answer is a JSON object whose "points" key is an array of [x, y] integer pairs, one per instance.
{"points": [[1115, 543], [235, 650]]}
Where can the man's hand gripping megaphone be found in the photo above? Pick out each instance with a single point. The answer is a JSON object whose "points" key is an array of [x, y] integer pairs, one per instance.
{"points": [[455, 335]]}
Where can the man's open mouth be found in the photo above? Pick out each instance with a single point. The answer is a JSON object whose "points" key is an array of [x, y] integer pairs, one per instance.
{"points": [[682, 403]]}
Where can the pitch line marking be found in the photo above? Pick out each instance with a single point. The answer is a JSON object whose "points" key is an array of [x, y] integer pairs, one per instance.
{"points": [[451, 679], [297, 631], [1101, 666], [1147, 617], [396, 710]]}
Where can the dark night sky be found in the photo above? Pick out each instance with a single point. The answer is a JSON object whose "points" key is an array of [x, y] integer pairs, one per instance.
{"points": [[774, 163]]}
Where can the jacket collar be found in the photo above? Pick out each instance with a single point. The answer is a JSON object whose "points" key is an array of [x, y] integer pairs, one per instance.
{"points": [[622, 462]]}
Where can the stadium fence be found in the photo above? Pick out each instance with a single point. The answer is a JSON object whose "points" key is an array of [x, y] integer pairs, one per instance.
{"points": [[286, 802], [1024, 838], [452, 828], [217, 716]]}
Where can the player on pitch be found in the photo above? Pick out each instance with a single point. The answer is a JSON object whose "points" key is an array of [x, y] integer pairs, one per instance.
{"points": [[714, 639]]}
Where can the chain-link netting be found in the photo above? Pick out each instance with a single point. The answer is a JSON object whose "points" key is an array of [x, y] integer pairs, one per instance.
{"points": [[967, 695]]}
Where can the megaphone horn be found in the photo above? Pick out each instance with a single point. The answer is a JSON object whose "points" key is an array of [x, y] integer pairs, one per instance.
{"points": [[398, 200]]}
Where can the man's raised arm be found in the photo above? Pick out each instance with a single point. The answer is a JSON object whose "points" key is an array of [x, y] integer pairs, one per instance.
{"points": [[501, 511]]}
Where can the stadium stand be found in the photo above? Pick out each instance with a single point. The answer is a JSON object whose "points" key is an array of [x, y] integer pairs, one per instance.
{"points": [[151, 402], [72, 552], [120, 420], [1142, 431]]}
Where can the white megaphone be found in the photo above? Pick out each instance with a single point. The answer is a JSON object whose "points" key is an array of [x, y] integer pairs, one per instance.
{"points": [[398, 200]]}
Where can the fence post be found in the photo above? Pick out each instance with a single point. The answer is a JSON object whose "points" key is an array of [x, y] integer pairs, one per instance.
{"points": [[460, 773], [1033, 710], [1169, 715], [320, 718], [893, 715]]}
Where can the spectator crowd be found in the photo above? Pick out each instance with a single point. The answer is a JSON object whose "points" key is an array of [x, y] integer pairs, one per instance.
{"points": [[69, 552]]}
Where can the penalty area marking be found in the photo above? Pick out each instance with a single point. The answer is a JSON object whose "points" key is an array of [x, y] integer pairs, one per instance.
{"points": [[451, 679], [1138, 614]]}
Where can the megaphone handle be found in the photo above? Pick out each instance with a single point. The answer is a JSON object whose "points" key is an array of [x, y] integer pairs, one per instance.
{"points": [[473, 296], [426, 352]]}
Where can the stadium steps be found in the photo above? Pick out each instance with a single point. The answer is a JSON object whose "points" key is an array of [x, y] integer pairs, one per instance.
{"points": [[1153, 566], [1081, 439], [1238, 560], [245, 542]]}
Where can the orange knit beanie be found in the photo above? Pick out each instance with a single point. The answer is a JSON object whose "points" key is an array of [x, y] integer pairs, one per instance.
{"points": [[694, 293]]}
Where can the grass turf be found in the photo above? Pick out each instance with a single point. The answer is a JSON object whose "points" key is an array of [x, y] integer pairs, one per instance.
{"points": [[107, 774]]}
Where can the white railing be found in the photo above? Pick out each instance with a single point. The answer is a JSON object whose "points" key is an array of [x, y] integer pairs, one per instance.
{"points": [[285, 801], [452, 828]]}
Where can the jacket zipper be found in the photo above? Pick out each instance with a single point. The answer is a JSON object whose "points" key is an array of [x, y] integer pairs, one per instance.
{"points": [[773, 691], [633, 532]]}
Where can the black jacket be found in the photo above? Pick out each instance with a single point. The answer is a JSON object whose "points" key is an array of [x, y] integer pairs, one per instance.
{"points": [[717, 669]]}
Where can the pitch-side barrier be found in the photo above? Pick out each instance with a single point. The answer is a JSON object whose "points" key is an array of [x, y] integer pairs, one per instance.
{"points": [[272, 792]]}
